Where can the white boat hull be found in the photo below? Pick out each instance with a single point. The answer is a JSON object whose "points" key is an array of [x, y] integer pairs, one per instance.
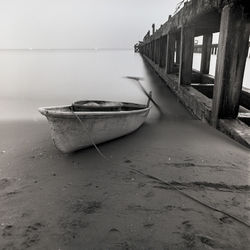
{"points": [[72, 131]]}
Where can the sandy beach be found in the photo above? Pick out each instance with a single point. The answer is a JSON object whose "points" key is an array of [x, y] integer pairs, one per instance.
{"points": [[50, 200]]}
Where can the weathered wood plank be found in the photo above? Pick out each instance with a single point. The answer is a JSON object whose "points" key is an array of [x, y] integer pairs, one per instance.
{"points": [[151, 49], [178, 49], [206, 53], [170, 53], [163, 51], [158, 51], [233, 48], [186, 55]]}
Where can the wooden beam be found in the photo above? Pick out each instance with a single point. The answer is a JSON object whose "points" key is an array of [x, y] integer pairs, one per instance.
{"points": [[155, 51], [163, 51], [178, 49], [170, 53], [186, 55], [207, 24], [231, 60], [206, 53], [158, 51], [152, 50]]}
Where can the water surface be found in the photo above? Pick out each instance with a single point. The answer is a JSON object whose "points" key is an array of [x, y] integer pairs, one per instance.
{"points": [[30, 79], [34, 78]]}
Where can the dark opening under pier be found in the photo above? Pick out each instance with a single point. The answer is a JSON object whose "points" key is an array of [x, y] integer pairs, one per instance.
{"points": [[220, 100]]}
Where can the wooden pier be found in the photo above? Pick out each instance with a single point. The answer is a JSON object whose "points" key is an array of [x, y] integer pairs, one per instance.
{"points": [[219, 100]]}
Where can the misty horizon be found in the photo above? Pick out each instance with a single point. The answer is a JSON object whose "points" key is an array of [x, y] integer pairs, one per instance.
{"points": [[34, 49], [79, 24]]}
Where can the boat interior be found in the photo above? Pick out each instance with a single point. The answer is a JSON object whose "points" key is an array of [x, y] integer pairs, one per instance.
{"points": [[95, 105]]}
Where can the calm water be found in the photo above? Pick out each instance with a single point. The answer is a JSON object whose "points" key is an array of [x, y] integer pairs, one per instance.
{"points": [[30, 79]]}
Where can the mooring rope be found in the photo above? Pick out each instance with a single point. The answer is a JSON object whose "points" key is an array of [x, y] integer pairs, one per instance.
{"points": [[90, 137]]}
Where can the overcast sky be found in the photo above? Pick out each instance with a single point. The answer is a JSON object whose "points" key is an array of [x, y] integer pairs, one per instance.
{"points": [[79, 23]]}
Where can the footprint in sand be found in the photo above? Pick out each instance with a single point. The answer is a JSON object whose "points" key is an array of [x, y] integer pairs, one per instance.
{"points": [[71, 228], [5, 182], [189, 238], [188, 235], [170, 207], [92, 207], [12, 193], [226, 219], [128, 161], [207, 240], [141, 185], [8, 230], [187, 224], [87, 208], [114, 230], [149, 194], [32, 234], [148, 225]]}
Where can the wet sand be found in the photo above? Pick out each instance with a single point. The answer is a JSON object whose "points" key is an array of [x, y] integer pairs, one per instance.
{"points": [[81, 201]]}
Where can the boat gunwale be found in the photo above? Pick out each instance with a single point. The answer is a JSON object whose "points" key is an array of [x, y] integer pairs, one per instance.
{"points": [[51, 112]]}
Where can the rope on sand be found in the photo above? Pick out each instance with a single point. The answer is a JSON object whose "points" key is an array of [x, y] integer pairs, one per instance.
{"points": [[191, 197], [160, 181]]}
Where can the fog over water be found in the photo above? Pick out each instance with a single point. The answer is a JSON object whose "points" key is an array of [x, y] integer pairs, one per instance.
{"points": [[30, 79]]}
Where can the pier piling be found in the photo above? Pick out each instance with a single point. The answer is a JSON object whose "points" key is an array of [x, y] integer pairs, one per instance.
{"points": [[206, 53], [232, 56], [170, 53], [186, 55]]}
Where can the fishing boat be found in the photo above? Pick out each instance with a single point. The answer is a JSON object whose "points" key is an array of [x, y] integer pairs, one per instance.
{"points": [[87, 123]]}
